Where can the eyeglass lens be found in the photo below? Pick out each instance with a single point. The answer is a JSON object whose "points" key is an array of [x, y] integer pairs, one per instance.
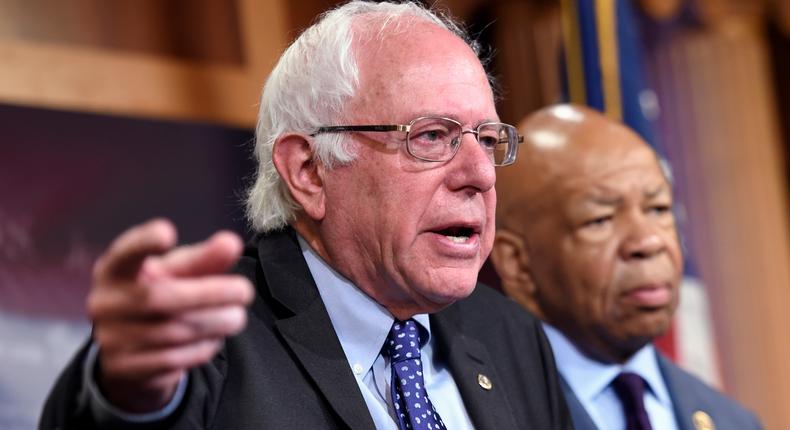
{"points": [[437, 139]]}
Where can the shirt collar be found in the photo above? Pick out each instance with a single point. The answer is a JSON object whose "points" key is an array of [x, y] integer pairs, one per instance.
{"points": [[588, 378], [645, 364], [361, 323]]}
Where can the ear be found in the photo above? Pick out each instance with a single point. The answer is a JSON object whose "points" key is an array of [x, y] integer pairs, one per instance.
{"points": [[511, 261], [303, 175]]}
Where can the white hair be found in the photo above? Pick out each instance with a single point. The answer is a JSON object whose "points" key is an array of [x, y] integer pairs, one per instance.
{"points": [[308, 88]]}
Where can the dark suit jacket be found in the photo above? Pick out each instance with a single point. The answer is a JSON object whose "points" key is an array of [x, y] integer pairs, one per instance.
{"points": [[689, 395], [287, 369]]}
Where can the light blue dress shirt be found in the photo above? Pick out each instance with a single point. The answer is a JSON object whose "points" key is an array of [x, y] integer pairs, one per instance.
{"points": [[591, 381], [362, 326]]}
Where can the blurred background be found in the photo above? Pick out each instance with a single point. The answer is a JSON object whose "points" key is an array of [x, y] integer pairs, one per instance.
{"points": [[112, 112]]}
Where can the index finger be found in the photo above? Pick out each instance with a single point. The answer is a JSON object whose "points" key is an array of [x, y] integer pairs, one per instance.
{"points": [[125, 256], [215, 255]]}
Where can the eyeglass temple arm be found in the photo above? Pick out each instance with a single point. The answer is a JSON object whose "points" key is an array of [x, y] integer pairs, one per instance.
{"points": [[519, 140], [353, 128]]}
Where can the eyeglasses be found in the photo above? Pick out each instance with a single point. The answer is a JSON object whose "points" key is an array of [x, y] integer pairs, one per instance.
{"points": [[438, 139]]}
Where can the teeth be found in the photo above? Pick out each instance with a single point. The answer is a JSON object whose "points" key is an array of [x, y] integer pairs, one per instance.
{"points": [[458, 239]]}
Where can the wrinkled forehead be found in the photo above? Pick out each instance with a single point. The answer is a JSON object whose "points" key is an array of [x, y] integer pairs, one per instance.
{"points": [[589, 168], [632, 172], [422, 65]]}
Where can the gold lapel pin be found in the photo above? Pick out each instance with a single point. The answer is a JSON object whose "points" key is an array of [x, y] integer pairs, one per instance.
{"points": [[484, 382], [702, 421]]}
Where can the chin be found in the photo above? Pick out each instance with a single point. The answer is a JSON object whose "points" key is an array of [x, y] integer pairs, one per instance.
{"points": [[652, 327], [438, 284], [447, 290]]}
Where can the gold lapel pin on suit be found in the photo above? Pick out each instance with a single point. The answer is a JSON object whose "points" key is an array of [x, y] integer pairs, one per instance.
{"points": [[484, 382], [702, 421]]}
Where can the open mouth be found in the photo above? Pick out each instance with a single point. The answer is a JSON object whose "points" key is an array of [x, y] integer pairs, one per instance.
{"points": [[457, 234]]}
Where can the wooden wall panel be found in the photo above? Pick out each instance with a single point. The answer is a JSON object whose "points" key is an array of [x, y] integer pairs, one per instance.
{"points": [[86, 75], [197, 30], [526, 38]]}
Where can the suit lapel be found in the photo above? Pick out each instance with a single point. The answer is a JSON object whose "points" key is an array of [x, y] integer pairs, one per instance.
{"points": [[467, 359], [309, 332], [581, 419], [683, 402]]}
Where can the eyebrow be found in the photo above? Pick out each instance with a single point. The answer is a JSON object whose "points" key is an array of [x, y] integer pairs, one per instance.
{"points": [[656, 192], [616, 201], [605, 201]]}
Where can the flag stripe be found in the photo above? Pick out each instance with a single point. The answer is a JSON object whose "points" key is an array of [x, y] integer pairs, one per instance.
{"points": [[588, 32], [573, 52], [608, 59]]}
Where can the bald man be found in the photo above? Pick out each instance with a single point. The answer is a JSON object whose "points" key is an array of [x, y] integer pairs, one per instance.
{"points": [[586, 240]]}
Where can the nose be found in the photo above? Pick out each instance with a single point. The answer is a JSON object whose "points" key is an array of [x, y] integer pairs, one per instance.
{"points": [[643, 239], [471, 167]]}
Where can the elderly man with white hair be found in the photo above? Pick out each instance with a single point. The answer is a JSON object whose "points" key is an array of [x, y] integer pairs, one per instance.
{"points": [[356, 305]]}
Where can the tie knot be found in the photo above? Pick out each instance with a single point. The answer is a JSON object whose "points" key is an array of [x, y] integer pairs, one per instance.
{"points": [[403, 342], [629, 385]]}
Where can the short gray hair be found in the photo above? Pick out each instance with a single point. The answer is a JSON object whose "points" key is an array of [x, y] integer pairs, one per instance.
{"points": [[308, 88]]}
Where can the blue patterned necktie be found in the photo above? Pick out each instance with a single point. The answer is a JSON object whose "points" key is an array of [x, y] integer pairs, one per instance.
{"points": [[630, 388], [413, 410]]}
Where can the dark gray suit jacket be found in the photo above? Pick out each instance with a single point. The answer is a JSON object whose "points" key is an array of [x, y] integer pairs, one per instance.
{"points": [[689, 395], [287, 369]]}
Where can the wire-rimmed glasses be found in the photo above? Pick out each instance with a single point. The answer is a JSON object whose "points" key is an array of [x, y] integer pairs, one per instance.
{"points": [[438, 138]]}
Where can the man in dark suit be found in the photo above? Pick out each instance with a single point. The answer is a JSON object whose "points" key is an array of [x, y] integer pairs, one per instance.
{"points": [[586, 240], [374, 202]]}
